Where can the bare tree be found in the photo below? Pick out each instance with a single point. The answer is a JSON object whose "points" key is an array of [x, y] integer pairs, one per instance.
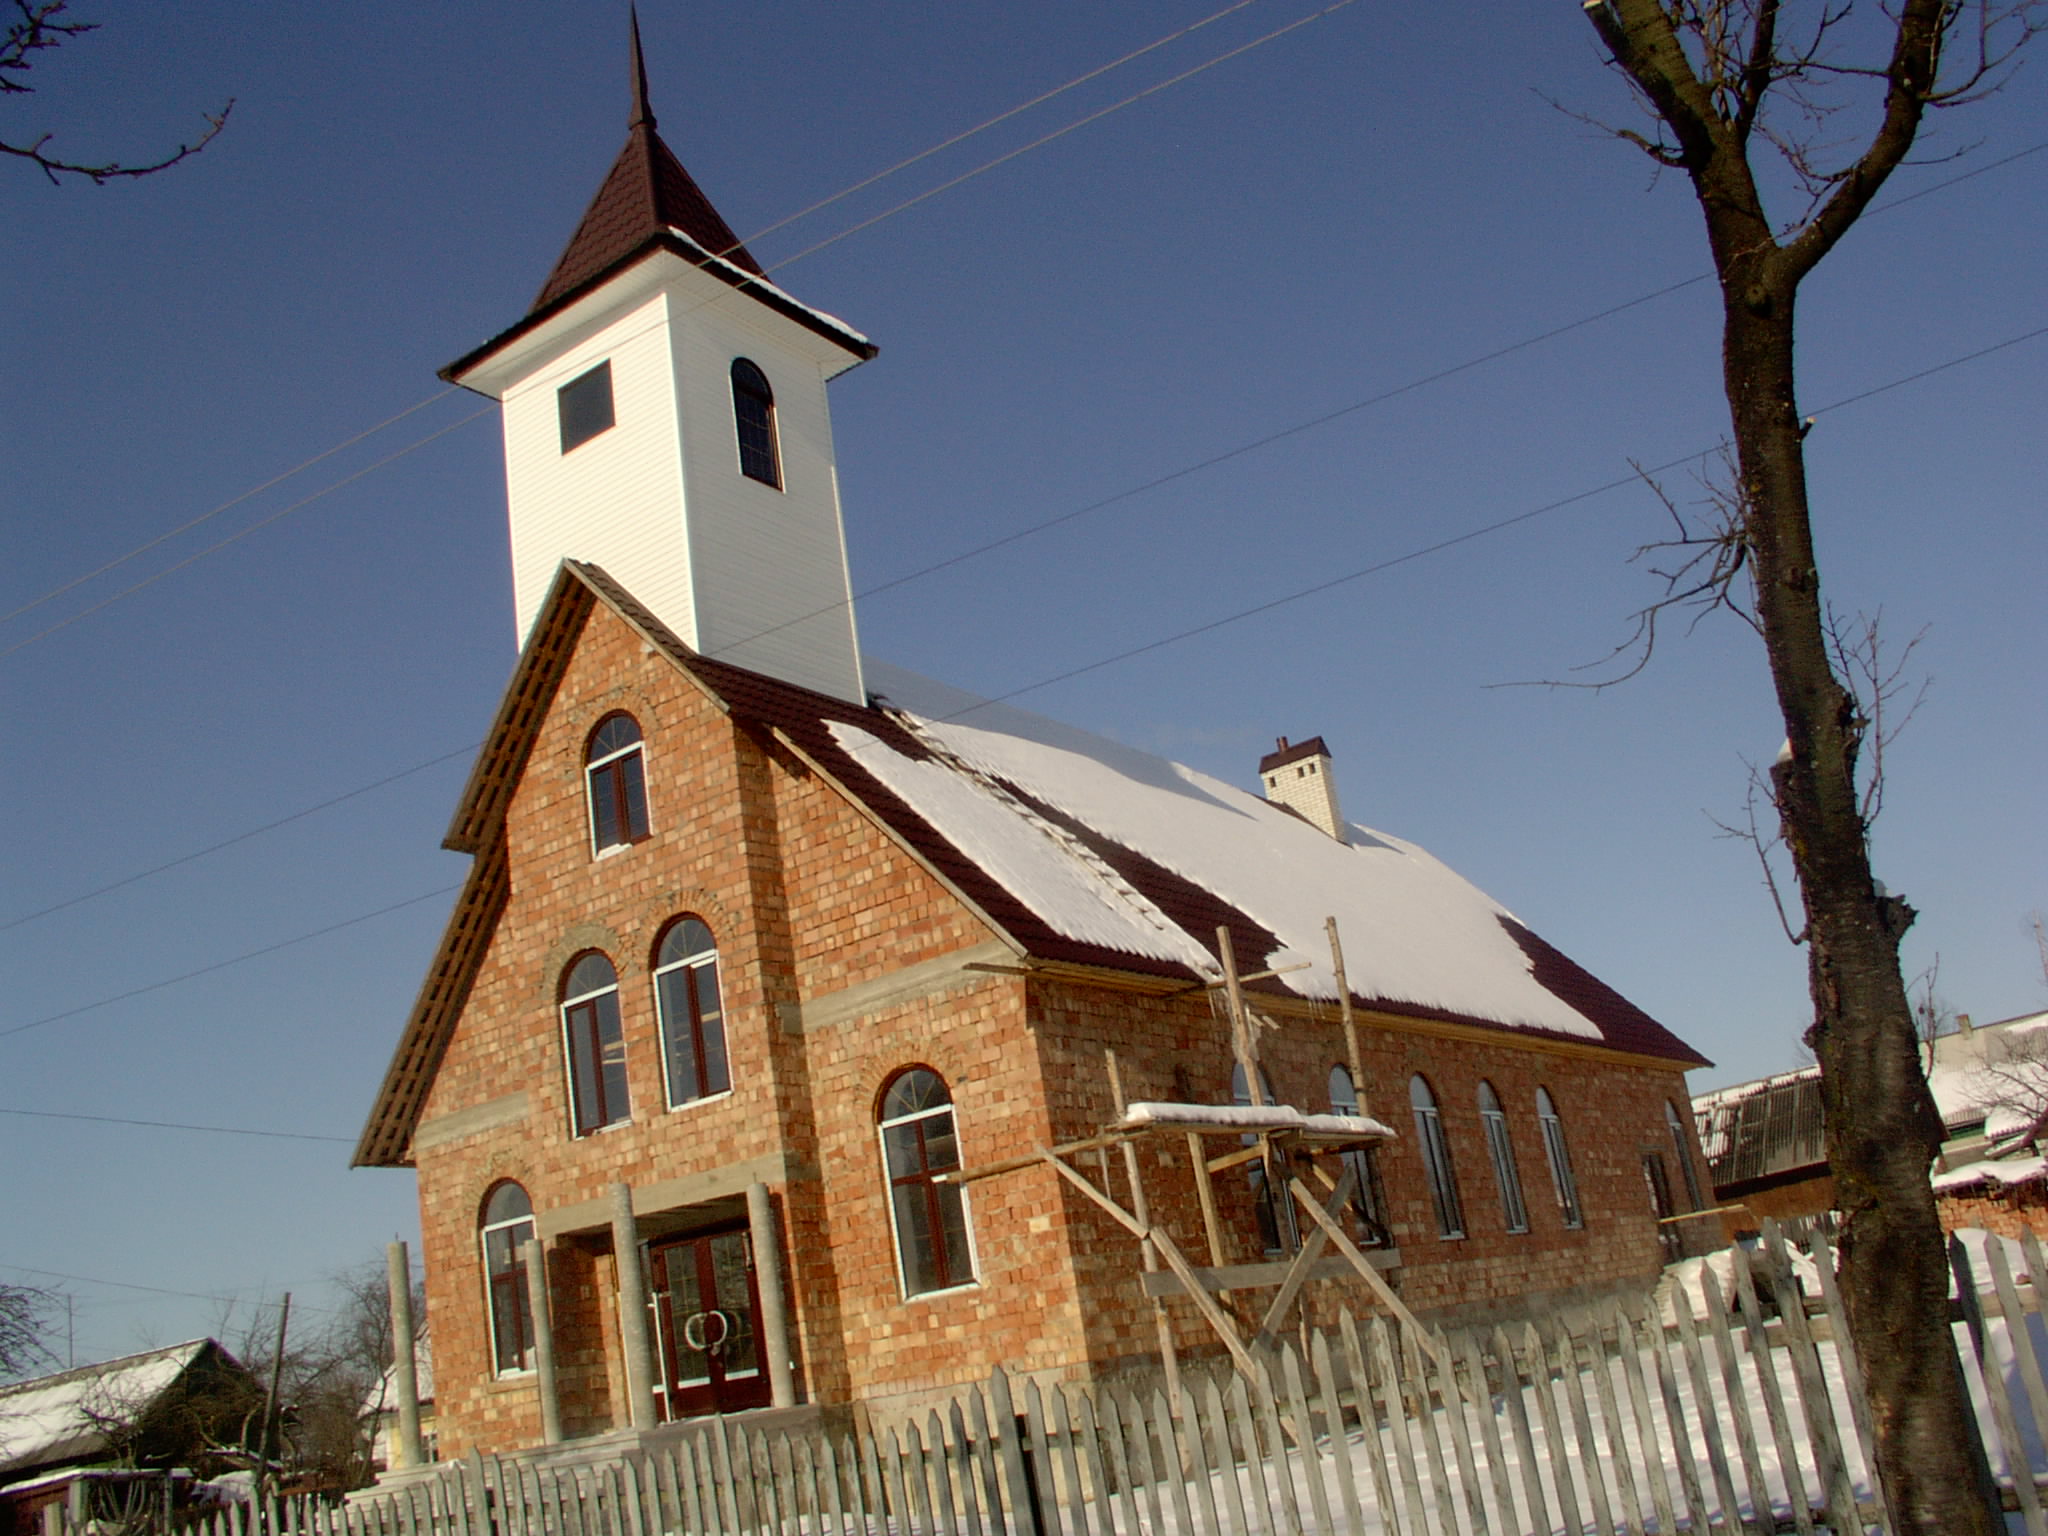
{"points": [[41, 25], [23, 1309], [1740, 95]]}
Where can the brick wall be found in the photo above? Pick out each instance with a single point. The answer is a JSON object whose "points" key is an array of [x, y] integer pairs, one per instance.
{"points": [[2007, 1209], [811, 903]]}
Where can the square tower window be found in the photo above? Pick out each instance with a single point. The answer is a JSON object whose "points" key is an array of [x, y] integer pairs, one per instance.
{"points": [[585, 406]]}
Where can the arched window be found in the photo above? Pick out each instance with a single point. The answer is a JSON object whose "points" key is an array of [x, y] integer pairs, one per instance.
{"points": [[1277, 1232], [919, 1140], [1560, 1160], [692, 1020], [1369, 1203], [617, 781], [753, 414], [505, 1229], [1514, 1211], [1682, 1148], [1436, 1159], [594, 1044]]}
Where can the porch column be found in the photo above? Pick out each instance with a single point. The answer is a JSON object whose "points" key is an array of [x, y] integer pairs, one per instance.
{"points": [[632, 1307], [768, 1281], [535, 1258], [406, 1450]]}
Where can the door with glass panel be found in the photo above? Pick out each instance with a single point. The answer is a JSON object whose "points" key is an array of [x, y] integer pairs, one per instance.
{"points": [[707, 1323]]}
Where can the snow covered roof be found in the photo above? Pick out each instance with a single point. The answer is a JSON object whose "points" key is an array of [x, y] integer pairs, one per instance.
{"points": [[1997, 1073], [2004, 1170], [52, 1418], [1080, 850], [1256, 1117]]}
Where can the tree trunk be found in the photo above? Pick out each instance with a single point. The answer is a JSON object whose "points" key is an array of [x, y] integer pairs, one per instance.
{"points": [[1882, 1127]]}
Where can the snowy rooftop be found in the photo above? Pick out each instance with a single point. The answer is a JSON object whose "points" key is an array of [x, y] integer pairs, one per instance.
{"points": [[52, 1417]]}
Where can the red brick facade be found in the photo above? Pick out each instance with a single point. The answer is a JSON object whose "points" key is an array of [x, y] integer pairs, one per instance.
{"points": [[844, 958]]}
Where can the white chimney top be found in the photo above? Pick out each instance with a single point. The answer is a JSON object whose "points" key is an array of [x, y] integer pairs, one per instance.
{"points": [[1297, 775]]}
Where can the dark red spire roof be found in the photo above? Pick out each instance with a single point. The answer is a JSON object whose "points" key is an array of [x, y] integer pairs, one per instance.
{"points": [[647, 193]]}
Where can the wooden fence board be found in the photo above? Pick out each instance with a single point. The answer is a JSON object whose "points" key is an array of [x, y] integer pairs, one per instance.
{"points": [[1650, 1464], [1815, 1404], [1771, 1390], [1334, 1428], [1387, 1386], [1718, 1469], [1489, 1433], [1517, 1405], [1305, 1435], [1222, 1458], [1572, 1379], [1992, 1374], [1556, 1454], [1429, 1427], [1075, 1497], [1369, 1425], [1678, 1434], [2019, 1336], [1275, 1440], [1455, 1400]]}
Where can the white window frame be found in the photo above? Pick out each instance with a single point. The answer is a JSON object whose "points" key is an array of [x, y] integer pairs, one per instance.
{"points": [[889, 1193], [1507, 1176], [688, 962], [592, 765], [483, 1240], [1563, 1183], [569, 1048], [1438, 1169]]}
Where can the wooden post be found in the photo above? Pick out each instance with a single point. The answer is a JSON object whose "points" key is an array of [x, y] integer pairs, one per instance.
{"points": [[1245, 1045], [632, 1308], [1352, 1057], [538, 1306], [1142, 1209], [1205, 1191], [406, 1450]]}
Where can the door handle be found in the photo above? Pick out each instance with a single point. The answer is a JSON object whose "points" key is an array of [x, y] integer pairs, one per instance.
{"points": [[693, 1331], [724, 1329]]}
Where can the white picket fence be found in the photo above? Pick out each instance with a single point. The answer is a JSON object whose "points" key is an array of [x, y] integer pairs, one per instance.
{"points": [[1602, 1420]]}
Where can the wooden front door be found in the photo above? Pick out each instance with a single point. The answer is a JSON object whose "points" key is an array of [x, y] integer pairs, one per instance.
{"points": [[707, 1321]]}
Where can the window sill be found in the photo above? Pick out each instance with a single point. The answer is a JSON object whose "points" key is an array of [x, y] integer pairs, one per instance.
{"points": [[599, 1130], [709, 1098], [513, 1381], [951, 1290]]}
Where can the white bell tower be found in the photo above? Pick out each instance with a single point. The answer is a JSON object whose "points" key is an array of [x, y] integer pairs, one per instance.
{"points": [[665, 418]]}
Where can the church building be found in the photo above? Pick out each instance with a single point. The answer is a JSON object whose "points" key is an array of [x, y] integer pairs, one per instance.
{"points": [[763, 940]]}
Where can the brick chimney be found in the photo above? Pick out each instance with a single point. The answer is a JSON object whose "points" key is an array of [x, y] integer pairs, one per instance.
{"points": [[1297, 775]]}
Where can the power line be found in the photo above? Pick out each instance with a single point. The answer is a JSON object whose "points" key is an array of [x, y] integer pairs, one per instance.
{"points": [[240, 837], [1103, 503], [1223, 621], [173, 1125], [234, 501], [236, 537], [1632, 478], [776, 266], [160, 1290], [221, 965]]}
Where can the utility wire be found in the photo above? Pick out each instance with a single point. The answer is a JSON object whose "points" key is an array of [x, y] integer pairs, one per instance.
{"points": [[174, 1125], [239, 837], [221, 965], [159, 1290], [232, 538], [235, 501], [786, 261], [1634, 477], [983, 127]]}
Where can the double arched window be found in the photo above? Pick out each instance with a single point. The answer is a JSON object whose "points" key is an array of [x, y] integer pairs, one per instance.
{"points": [[1436, 1159], [1560, 1160], [686, 996], [753, 415], [919, 1140], [1514, 1211], [594, 1043], [615, 773], [505, 1229]]}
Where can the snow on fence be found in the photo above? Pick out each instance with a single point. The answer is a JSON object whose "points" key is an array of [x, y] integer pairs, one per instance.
{"points": [[1748, 1417]]}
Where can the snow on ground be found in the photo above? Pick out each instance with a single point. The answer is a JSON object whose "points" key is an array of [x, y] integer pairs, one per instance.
{"points": [[1414, 931]]}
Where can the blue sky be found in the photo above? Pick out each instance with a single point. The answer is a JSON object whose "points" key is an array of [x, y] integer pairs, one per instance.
{"points": [[1360, 204]]}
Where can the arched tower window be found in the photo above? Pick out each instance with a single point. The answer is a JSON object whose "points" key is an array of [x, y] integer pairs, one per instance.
{"points": [[616, 775], [1514, 1211], [1560, 1160], [1369, 1203], [919, 1139], [753, 414], [594, 1044], [504, 1231], [1436, 1159], [692, 1016]]}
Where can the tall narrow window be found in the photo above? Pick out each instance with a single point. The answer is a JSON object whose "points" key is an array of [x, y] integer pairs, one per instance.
{"points": [[1275, 1215], [1514, 1212], [1682, 1148], [753, 414], [1436, 1159], [594, 1043], [584, 406], [616, 775], [506, 1227], [919, 1140], [692, 1020], [1560, 1159], [1369, 1201]]}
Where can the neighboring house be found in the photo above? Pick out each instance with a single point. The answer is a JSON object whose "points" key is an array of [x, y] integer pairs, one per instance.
{"points": [[762, 939], [1766, 1147], [91, 1434], [380, 1408]]}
